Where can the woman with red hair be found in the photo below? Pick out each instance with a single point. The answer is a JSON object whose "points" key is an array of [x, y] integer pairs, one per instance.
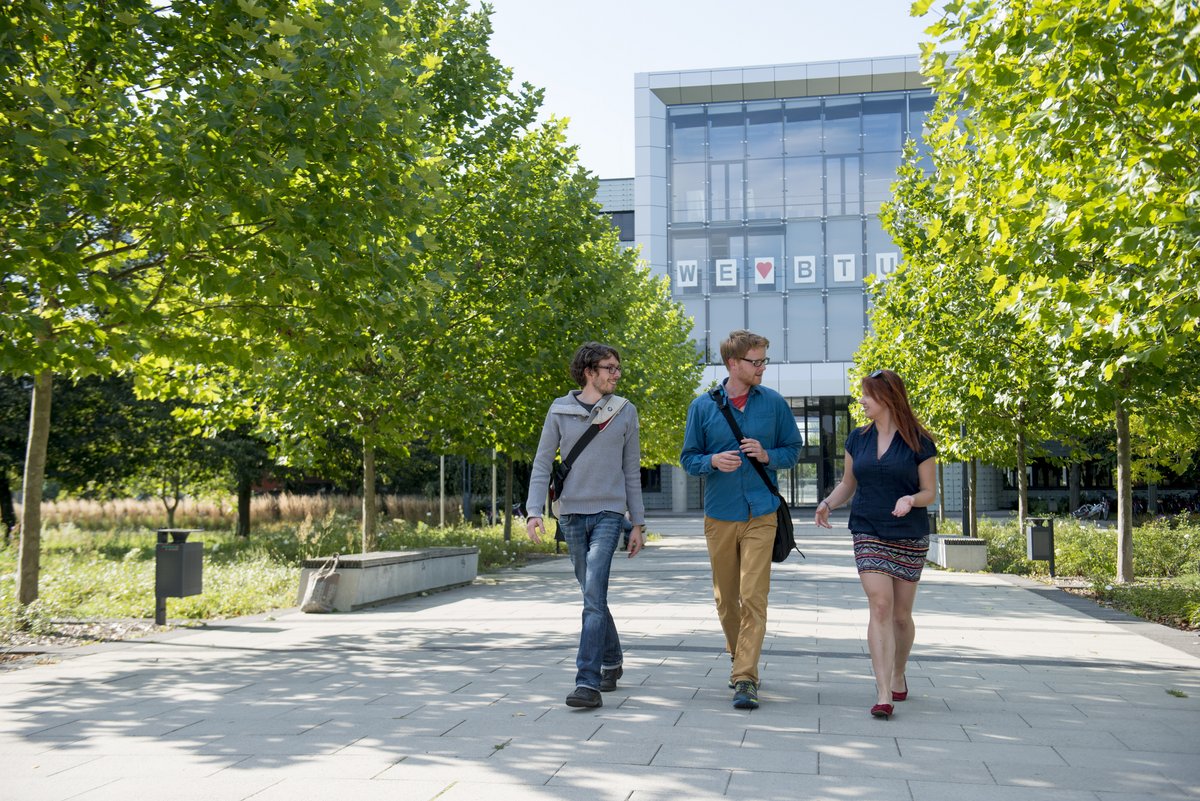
{"points": [[891, 475]]}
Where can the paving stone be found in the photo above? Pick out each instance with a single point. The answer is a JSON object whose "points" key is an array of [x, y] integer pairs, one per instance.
{"points": [[459, 695]]}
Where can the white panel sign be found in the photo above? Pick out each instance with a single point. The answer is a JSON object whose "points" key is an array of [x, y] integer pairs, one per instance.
{"points": [[764, 270], [804, 270], [727, 272], [845, 267], [687, 273]]}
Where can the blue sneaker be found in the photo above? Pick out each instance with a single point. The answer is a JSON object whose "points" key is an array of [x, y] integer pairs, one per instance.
{"points": [[745, 695]]}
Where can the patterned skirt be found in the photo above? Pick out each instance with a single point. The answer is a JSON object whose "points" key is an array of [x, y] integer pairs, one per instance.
{"points": [[902, 559]]}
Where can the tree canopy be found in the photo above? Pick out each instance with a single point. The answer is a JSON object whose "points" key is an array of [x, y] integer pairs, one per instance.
{"points": [[1064, 148], [300, 216]]}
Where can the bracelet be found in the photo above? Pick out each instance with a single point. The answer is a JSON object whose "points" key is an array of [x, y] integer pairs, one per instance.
{"points": [[825, 502]]}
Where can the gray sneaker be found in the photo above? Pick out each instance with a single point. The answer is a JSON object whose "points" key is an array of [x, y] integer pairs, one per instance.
{"points": [[585, 697], [745, 695]]}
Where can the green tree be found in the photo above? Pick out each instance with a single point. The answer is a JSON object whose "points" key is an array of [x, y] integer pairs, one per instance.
{"points": [[980, 377], [185, 180], [546, 274], [1080, 123]]}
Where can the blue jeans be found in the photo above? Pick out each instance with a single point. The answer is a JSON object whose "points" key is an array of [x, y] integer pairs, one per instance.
{"points": [[591, 540]]}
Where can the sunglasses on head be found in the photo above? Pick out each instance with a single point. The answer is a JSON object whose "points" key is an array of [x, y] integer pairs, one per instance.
{"points": [[876, 374]]}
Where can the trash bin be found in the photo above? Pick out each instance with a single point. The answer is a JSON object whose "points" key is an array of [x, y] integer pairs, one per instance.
{"points": [[1039, 540], [178, 568]]}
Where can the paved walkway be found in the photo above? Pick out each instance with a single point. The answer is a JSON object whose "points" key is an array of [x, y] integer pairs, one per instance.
{"points": [[458, 696]]}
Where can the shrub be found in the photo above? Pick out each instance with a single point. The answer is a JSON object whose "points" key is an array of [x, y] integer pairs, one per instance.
{"points": [[1161, 548], [1173, 603], [221, 513]]}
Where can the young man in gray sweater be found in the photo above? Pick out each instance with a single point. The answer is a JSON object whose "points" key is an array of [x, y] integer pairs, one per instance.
{"points": [[604, 482]]}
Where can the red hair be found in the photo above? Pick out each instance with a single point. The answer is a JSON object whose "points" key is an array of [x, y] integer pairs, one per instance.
{"points": [[888, 388]]}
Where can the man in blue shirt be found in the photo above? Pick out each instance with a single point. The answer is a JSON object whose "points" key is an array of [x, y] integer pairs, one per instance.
{"points": [[739, 510]]}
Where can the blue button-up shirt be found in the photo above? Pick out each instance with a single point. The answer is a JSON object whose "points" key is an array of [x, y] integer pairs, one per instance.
{"points": [[739, 495]]}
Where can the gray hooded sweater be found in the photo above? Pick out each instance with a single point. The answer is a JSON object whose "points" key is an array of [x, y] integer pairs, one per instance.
{"points": [[606, 477]]}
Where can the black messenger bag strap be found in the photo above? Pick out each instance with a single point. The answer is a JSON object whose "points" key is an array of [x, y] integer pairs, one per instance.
{"points": [[581, 443], [615, 404], [722, 402]]}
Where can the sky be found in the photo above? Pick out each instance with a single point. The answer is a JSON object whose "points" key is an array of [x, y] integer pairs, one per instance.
{"points": [[585, 53]]}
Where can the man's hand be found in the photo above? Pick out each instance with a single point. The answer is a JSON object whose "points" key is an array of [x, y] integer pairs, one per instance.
{"points": [[532, 526], [754, 449], [727, 461], [637, 540]]}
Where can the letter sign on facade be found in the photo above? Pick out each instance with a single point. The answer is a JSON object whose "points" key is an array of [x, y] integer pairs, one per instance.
{"points": [[845, 267], [727, 272], [886, 263], [687, 273], [804, 270]]}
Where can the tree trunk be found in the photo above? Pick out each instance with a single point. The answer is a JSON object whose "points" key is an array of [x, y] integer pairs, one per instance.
{"points": [[170, 497], [8, 512], [467, 493], [370, 516], [31, 502], [508, 497], [941, 479], [1074, 482], [1124, 498], [974, 498], [243, 507], [1022, 482]]}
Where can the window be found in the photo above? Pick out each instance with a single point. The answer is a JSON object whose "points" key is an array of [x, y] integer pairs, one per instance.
{"points": [[802, 128], [805, 187], [686, 130], [652, 479], [725, 185], [687, 193], [623, 222], [841, 181], [726, 134], [764, 189], [842, 125], [879, 171], [764, 131], [883, 123]]}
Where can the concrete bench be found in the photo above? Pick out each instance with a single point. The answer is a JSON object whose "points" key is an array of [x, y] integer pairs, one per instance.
{"points": [[369, 579], [958, 553]]}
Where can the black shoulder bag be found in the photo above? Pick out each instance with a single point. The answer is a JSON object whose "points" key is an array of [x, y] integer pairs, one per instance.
{"points": [[785, 536]]}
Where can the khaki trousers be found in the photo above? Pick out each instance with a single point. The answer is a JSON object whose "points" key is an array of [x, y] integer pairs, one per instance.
{"points": [[740, 554]]}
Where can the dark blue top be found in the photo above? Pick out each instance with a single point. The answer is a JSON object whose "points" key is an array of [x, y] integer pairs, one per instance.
{"points": [[881, 482]]}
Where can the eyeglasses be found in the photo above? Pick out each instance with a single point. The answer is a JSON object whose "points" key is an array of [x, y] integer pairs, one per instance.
{"points": [[613, 369], [756, 362], [876, 374]]}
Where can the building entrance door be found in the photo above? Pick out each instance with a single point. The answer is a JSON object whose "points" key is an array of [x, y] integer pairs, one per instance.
{"points": [[823, 422]]}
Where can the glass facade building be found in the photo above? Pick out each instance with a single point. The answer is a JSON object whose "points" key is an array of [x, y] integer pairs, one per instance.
{"points": [[758, 193]]}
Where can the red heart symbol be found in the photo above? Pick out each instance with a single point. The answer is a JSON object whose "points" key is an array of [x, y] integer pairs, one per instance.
{"points": [[764, 267]]}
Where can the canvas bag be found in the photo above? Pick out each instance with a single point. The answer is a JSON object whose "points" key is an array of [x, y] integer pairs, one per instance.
{"points": [[785, 533], [322, 587]]}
